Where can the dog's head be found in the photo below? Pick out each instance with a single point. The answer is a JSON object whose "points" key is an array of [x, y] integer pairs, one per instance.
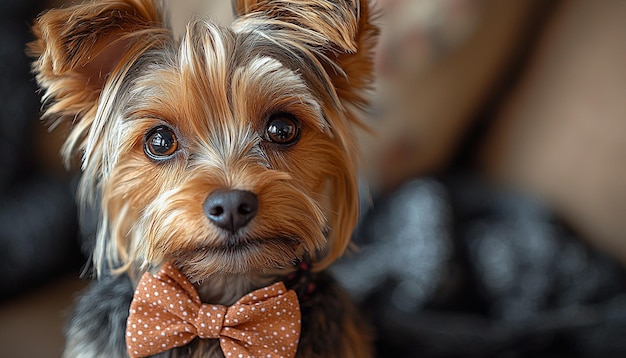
{"points": [[230, 150]]}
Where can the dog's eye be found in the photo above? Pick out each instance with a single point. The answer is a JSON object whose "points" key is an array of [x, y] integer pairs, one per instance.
{"points": [[282, 129], [161, 143]]}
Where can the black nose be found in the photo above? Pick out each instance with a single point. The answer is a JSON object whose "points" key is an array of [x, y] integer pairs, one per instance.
{"points": [[231, 209]]}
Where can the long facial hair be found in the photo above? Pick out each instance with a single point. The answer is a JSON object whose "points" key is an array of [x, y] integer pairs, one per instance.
{"points": [[116, 71]]}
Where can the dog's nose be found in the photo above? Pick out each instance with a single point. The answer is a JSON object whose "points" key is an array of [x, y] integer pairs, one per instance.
{"points": [[231, 209]]}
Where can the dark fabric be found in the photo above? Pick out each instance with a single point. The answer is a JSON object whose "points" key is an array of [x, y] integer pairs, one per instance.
{"points": [[454, 267], [38, 230]]}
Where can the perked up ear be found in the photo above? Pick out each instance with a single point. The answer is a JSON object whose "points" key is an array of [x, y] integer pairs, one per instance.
{"points": [[79, 47], [341, 30], [335, 20]]}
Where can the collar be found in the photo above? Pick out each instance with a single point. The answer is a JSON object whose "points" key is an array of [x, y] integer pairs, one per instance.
{"points": [[302, 280]]}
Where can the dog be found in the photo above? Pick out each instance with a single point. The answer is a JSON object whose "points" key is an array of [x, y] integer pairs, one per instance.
{"points": [[227, 156]]}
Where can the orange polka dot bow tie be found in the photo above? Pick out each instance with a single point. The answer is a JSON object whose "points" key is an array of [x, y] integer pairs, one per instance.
{"points": [[166, 312]]}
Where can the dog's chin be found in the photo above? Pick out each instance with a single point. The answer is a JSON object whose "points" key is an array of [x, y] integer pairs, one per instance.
{"points": [[240, 256]]}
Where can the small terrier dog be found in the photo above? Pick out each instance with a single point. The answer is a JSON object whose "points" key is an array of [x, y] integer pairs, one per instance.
{"points": [[227, 156]]}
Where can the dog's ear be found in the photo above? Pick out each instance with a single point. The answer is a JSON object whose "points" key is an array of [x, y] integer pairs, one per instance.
{"points": [[340, 35], [336, 21], [342, 31], [78, 48]]}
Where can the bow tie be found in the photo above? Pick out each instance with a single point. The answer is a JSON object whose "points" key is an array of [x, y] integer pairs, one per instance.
{"points": [[166, 312]]}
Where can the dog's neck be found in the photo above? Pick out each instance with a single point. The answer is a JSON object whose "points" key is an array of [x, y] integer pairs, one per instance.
{"points": [[226, 289]]}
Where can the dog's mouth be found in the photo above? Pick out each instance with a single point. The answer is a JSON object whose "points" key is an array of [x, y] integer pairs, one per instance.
{"points": [[240, 255], [242, 245]]}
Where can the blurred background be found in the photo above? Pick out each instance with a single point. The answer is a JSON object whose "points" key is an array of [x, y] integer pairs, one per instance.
{"points": [[494, 187]]}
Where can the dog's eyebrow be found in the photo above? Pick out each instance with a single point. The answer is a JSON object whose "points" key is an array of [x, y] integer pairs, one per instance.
{"points": [[274, 87]]}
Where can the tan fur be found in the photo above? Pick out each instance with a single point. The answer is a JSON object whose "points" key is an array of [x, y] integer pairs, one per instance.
{"points": [[114, 70]]}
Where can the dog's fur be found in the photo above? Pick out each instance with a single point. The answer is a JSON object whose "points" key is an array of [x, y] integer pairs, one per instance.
{"points": [[114, 71]]}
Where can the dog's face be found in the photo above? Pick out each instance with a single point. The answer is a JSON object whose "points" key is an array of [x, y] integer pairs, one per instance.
{"points": [[228, 151]]}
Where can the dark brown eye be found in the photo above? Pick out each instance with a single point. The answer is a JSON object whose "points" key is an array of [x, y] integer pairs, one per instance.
{"points": [[282, 129], [161, 143]]}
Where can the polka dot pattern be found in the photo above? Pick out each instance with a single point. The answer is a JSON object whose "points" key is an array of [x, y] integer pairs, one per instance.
{"points": [[166, 312]]}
